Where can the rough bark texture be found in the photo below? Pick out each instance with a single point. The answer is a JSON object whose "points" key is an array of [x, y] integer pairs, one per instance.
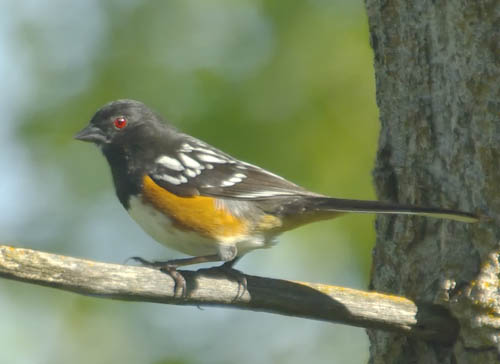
{"points": [[437, 66]]}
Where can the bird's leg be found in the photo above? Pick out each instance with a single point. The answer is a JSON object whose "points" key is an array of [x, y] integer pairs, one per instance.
{"points": [[230, 264], [170, 267], [229, 254]]}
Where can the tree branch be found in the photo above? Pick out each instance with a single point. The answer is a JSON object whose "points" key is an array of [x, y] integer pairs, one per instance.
{"points": [[299, 299]]}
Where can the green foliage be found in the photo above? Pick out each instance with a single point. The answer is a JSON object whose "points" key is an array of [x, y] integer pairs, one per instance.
{"points": [[285, 85]]}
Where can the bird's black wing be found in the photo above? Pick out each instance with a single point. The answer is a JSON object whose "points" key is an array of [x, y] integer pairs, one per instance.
{"points": [[196, 168]]}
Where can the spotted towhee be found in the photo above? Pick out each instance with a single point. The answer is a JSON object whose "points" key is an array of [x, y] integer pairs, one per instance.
{"points": [[201, 201]]}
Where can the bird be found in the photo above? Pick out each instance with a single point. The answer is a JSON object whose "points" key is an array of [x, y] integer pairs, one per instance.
{"points": [[201, 201]]}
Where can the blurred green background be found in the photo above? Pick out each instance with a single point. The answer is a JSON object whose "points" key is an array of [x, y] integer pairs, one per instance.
{"points": [[285, 85]]}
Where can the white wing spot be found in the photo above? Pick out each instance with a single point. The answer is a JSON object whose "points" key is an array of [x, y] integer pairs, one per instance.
{"points": [[227, 183], [183, 179], [262, 194], [185, 147], [209, 166], [190, 173], [189, 162], [169, 179], [211, 158], [240, 175], [235, 179], [206, 151], [170, 163]]}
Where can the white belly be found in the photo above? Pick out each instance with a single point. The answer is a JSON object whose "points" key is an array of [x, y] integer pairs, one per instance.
{"points": [[160, 228]]}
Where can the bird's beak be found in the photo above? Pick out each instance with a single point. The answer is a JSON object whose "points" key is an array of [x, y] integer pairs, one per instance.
{"points": [[91, 134]]}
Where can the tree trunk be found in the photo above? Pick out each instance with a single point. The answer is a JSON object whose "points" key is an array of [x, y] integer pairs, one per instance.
{"points": [[437, 66]]}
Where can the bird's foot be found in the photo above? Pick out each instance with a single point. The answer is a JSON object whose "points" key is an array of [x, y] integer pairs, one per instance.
{"points": [[227, 270], [169, 267]]}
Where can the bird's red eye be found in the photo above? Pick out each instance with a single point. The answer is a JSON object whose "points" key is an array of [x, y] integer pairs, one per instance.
{"points": [[120, 122]]}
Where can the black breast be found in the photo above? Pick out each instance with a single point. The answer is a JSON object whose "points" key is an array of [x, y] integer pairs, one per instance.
{"points": [[126, 176]]}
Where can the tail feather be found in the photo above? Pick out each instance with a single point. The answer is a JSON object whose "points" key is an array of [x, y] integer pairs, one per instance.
{"points": [[378, 207]]}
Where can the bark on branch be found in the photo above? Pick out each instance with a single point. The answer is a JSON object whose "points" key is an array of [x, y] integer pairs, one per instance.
{"points": [[299, 299]]}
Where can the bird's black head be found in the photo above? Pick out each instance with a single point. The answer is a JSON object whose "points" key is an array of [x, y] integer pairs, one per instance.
{"points": [[129, 135], [119, 121]]}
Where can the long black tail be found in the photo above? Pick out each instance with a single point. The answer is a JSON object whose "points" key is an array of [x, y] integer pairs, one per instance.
{"points": [[327, 204]]}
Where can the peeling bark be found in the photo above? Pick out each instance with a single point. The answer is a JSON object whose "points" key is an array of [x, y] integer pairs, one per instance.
{"points": [[437, 66]]}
